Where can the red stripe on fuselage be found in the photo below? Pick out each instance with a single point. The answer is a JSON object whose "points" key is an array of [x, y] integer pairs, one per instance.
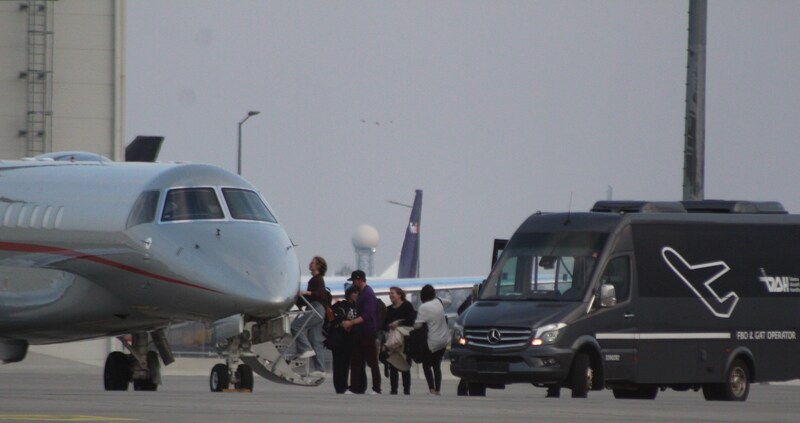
{"points": [[43, 249]]}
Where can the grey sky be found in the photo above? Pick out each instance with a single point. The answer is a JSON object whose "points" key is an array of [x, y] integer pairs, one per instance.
{"points": [[495, 109]]}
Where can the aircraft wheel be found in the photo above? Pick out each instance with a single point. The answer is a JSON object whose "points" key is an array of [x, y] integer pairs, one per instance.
{"points": [[117, 372], [155, 368], [245, 376], [582, 376], [144, 385], [220, 378]]}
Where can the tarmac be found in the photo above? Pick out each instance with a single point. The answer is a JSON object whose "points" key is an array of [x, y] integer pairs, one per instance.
{"points": [[44, 388]]}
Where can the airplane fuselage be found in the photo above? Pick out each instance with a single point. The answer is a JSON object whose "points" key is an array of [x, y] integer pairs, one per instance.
{"points": [[91, 249]]}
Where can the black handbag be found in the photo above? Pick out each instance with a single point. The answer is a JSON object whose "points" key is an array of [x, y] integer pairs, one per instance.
{"points": [[417, 344]]}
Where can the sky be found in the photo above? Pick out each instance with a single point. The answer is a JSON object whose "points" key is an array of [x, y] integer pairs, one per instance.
{"points": [[495, 109]]}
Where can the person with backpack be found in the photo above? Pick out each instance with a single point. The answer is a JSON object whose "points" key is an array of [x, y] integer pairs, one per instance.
{"points": [[307, 328], [431, 314], [399, 313], [365, 329], [339, 340]]}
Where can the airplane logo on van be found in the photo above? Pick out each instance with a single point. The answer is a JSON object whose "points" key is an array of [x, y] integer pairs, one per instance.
{"points": [[720, 306]]}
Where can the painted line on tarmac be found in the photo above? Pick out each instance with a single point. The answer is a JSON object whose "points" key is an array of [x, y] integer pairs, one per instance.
{"points": [[61, 418]]}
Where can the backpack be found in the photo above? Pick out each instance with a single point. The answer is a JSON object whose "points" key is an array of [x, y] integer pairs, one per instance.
{"points": [[381, 312], [334, 335]]}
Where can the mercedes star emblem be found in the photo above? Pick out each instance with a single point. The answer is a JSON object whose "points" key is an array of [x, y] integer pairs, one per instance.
{"points": [[494, 336]]}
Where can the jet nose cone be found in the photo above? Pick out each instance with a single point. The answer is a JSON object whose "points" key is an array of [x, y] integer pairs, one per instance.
{"points": [[267, 261], [232, 267]]}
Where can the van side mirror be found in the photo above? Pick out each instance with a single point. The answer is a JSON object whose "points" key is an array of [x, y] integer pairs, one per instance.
{"points": [[608, 296], [476, 291]]}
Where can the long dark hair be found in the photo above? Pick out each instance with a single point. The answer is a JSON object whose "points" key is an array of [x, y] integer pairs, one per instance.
{"points": [[322, 265]]}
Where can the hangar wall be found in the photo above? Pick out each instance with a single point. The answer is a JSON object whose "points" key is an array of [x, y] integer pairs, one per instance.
{"points": [[62, 77]]}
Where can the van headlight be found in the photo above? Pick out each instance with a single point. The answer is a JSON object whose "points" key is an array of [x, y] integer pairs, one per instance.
{"points": [[547, 334], [458, 335]]}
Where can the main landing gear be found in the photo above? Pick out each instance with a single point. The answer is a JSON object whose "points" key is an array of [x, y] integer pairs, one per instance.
{"points": [[141, 366]]}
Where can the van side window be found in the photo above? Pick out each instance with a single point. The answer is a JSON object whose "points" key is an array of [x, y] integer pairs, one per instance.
{"points": [[618, 273], [507, 282]]}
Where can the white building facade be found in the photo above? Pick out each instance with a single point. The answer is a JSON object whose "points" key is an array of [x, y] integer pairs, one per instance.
{"points": [[62, 88]]}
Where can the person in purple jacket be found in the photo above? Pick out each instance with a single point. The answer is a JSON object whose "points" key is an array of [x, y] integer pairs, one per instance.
{"points": [[365, 333]]}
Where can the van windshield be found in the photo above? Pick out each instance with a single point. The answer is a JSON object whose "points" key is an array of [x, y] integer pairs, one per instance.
{"points": [[550, 266]]}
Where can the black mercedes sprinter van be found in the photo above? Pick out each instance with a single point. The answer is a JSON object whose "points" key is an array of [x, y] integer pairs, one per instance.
{"points": [[637, 297]]}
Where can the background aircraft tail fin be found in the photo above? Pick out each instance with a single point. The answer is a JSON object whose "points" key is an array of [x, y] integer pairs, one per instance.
{"points": [[409, 255], [143, 149]]}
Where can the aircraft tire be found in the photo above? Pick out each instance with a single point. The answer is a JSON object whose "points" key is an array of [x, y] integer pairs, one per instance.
{"points": [[117, 372], [245, 376], [155, 368], [220, 378], [144, 385]]}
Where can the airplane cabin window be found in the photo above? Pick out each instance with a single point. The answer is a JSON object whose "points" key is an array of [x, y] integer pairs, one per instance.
{"points": [[191, 204], [247, 205], [144, 209]]}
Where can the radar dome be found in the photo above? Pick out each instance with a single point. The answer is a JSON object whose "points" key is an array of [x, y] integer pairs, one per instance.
{"points": [[366, 237]]}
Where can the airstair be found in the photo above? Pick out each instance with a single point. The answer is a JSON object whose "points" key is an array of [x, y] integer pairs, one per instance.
{"points": [[268, 362], [262, 346]]}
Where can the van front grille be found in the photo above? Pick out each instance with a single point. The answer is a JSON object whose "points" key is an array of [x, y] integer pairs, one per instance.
{"points": [[497, 337]]}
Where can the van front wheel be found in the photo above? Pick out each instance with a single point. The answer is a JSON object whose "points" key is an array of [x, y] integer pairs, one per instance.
{"points": [[582, 376]]}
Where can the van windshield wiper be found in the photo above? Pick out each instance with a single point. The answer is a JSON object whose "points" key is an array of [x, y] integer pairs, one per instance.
{"points": [[551, 299]]}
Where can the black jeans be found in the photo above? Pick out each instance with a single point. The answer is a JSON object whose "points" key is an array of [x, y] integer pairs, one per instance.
{"points": [[394, 382], [365, 350], [341, 366], [432, 366]]}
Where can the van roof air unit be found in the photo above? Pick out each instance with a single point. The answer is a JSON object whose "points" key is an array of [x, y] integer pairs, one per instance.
{"points": [[638, 207], [738, 207]]}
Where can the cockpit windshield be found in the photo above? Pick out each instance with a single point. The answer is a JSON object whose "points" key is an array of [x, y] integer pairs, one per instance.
{"points": [[247, 205], [191, 204], [144, 209], [551, 266]]}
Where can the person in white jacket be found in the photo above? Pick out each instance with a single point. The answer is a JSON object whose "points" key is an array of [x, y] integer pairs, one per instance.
{"points": [[431, 313]]}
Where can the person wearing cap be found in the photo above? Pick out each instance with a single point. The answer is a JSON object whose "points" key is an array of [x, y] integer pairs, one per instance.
{"points": [[339, 340], [365, 334]]}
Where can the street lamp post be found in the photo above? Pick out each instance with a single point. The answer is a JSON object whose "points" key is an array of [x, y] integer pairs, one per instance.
{"points": [[239, 155]]}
